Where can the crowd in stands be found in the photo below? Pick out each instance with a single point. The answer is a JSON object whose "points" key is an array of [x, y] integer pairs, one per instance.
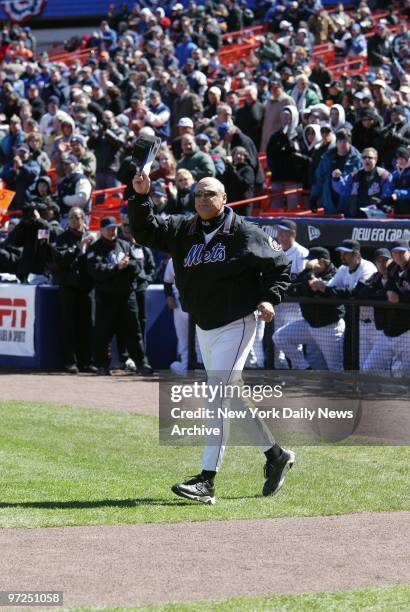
{"points": [[68, 124]]}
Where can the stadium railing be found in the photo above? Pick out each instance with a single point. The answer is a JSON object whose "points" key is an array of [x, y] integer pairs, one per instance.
{"points": [[265, 350]]}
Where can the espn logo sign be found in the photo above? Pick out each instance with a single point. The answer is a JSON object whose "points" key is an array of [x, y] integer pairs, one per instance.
{"points": [[13, 312]]}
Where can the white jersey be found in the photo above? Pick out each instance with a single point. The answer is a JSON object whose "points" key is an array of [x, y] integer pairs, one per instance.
{"points": [[346, 279], [297, 255]]}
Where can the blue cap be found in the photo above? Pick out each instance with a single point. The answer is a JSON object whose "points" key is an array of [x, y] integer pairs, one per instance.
{"points": [[108, 222], [223, 128]]}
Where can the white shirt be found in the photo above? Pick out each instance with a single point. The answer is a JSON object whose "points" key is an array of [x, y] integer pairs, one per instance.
{"points": [[297, 255], [344, 279]]}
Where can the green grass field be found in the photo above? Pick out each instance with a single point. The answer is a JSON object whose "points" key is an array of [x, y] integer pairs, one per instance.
{"points": [[73, 466], [372, 599]]}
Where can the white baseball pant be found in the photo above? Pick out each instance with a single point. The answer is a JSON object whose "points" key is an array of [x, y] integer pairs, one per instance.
{"points": [[367, 337], [224, 351], [328, 338], [284, 313], [388, 351], [181, 322]]}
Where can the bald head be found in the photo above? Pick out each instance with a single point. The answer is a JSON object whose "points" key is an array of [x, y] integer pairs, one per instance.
{"points": [[210, 197]]}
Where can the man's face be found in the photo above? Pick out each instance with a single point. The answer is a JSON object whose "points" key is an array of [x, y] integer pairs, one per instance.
{"points": [[285, 118], [350, 259], [286, 238], [334, 115], [401, 162], [42, 188], [77, 148], [401, 258], [109, 233], [76, 220], [69, 168], [108, 118], [210, 198], [396, 117], [154, 100], [23, 155], [188, 145], [369, 161], [381, 264], [343, 147]]}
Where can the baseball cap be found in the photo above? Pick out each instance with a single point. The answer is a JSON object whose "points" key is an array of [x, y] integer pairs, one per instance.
{"points": [[223, 129], [158, 189], [288, 226], [69, 159], [349, 246], [400, 245], [335, 83], [23, 147], [379, 83], [53, 99], [108, 222], [186, 122], [403, 152], [318, 253], [79, 138], [202, 138], [382, 253]]}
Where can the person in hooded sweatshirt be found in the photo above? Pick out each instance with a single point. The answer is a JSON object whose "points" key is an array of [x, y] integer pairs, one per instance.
{"points": [[284, 158], [62, 144], [310, 141], [338, 118], [367, 130]]}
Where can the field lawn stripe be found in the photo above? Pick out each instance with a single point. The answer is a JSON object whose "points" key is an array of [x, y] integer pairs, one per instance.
{"points": [[135, 564]]}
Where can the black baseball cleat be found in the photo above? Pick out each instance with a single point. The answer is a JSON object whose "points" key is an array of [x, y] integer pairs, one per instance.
{"points": [[275, 472], [197, 489]]}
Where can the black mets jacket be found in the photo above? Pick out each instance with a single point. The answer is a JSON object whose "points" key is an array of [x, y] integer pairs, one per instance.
{"points": [[220, 282]]}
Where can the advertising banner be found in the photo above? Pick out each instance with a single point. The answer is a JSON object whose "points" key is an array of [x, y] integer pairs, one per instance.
{"points": [[17, 317]]}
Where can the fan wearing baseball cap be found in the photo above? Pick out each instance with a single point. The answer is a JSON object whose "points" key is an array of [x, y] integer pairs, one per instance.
{"points": [[393, 345], [20, 176], [353, 269], [399, 191]]}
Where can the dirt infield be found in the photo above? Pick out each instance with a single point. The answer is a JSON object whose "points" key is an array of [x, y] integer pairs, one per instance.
{"points": [[132, 564], [125, 392]]}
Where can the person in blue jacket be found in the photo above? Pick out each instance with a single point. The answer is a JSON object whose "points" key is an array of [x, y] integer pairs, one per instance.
{"points": [[344, 157], [399, 187], [365, 187]]}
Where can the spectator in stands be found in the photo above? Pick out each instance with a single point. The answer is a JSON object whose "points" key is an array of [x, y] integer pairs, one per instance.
{"points": [[338, 118], [273, 108], [233, 137], [36, 102], [182, 200], [186, 104], [399, 188], [12, 140], [284, 159], [249, 118], [62, 144], [239, 180], [395, 134], [74, 190], [234, 21], [344, 157], [85, 157], [366, 132], [379, 52], [166, 169], [368, 186], [107, 141], [328, 140], [157, 115], [320, 74], [199, 164], [20, 176], [321, 25], [35, 142], [41, 195], [70, 260], [302, 94], [47, 121], [308, 144], [382, 100], [204, 144], [33, 235], [185, 126]]}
